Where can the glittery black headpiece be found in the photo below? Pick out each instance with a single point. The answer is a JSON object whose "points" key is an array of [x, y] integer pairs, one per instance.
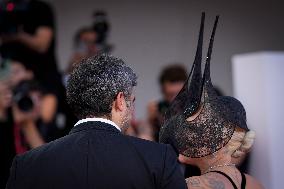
{"points": [[216, 116]]}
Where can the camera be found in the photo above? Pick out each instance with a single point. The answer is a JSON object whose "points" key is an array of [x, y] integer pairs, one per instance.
{"points": [[24, 102], [22, 97], [101, 26]]}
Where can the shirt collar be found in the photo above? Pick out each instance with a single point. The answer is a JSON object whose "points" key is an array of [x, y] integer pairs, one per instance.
{"points": [[97, 119]]}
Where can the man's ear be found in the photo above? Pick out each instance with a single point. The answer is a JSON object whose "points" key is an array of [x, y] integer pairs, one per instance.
{"points": [[119, 102], [183, 159]]}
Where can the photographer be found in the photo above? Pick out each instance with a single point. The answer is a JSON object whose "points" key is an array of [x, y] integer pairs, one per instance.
{"points": [[101, 27], [26, 108], [51, 122], [18, 132], [28, 29], [171, 80], [84, 47]]}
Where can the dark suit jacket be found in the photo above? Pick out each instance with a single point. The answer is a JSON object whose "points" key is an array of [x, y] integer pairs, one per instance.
{"points": [[97, 155]]}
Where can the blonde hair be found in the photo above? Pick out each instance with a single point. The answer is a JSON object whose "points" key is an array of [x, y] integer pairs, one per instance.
{"points": [[240, 143]]}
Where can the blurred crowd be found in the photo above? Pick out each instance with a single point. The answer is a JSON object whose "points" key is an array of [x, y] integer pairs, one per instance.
{"points": [[33, 108]]}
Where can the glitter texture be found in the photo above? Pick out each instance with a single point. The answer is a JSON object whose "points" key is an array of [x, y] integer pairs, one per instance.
{"points": [[219, 115], [95, 82]]}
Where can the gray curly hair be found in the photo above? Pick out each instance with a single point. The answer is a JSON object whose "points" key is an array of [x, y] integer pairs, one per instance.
{"points": [[95, 82]]}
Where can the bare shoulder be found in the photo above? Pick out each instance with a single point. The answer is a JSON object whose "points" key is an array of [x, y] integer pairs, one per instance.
{"points": [[253, 183], [208, 181]]}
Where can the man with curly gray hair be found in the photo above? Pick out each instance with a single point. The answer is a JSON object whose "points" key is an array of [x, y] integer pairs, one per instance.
{"points": [[96, 83], [96, 154]]}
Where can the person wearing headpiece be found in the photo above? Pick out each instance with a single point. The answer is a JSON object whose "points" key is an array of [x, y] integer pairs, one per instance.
{"points": [[208, 130]]}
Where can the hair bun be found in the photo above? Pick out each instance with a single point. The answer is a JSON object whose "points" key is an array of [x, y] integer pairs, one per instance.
{"points": [[246, 145]]}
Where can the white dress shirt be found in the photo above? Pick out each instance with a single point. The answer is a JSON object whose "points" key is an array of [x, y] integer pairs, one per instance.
{"points": [[97, 119]]}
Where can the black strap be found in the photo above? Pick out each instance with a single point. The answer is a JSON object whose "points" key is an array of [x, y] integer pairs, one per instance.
{"points": [[234, 185], [244, 181]]}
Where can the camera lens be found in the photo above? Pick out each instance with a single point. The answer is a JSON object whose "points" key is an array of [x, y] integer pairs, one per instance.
{"points": [[25, 104]]}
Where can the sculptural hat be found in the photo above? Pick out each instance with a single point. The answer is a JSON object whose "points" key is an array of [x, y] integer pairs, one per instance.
{"points": [[198, 121]]}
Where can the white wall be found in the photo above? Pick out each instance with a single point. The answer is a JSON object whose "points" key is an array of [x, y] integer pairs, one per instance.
{"points": [[150, 34], [258, 84]]}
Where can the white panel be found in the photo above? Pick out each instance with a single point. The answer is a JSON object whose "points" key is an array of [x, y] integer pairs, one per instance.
{"points": [[258, 83]]}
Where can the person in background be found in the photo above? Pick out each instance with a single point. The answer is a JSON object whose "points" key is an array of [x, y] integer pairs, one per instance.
{"points": [[32, 37], [28, 30], [171, 81], [102, 28], [26, 110], [47, 122], [84, 47], [18, 131]]}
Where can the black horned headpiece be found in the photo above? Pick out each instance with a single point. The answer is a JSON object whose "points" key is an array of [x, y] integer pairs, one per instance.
{"points": [[198, 121]]}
